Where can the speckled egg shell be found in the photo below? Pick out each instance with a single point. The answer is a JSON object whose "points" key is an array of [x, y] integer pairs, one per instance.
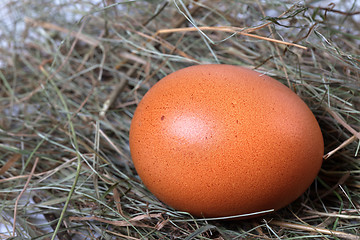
{"points": [[221, 140]]}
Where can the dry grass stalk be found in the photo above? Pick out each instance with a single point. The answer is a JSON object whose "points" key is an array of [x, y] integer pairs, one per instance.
{"points": [[316, 229], [9, 163], [234, 30], [21, 194]]}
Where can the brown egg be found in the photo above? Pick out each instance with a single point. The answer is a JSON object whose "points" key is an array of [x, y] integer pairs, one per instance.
{"points": [[222, 140]]}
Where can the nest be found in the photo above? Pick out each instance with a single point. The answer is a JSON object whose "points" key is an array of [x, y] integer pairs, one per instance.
{"points": [[73, 72]]}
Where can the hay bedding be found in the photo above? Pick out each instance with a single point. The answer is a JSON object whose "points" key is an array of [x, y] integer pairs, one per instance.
{"points": [[72, 73]]}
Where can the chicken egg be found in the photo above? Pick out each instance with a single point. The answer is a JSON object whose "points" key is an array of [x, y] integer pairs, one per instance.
{"points": [[220, 140]]}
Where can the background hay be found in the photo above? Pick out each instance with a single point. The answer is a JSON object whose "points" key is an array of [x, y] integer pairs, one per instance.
{"points": [[72, 72]]}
